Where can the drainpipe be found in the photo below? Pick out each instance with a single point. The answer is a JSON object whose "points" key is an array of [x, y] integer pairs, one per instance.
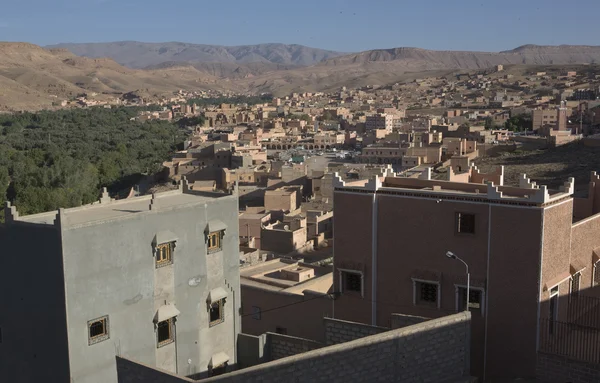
{"points": [[374, 260], [487, 290]]}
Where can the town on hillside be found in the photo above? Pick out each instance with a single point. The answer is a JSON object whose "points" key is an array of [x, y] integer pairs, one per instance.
{"points": [[442, 229]]}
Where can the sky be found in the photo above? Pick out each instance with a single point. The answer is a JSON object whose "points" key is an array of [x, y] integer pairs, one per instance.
{"points": [[340, 25]]}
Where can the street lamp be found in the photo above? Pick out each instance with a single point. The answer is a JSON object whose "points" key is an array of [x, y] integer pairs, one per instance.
{"points": [[451, 255]]}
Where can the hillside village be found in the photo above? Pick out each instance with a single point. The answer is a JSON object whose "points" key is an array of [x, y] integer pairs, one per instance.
{"points": [[323, 234]]}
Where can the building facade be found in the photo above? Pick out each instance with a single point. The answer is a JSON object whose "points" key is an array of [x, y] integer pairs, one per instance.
{"points": [[152, 277], [526, 257]]}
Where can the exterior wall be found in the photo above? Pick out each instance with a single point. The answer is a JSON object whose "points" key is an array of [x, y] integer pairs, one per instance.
{"points": [[399, 320], [558, 369], [301, 315], [33, 318], [282, 241], [513, 281], [556, 259], [435, 351], [339, 331], [352, 237], [282, 346], [117, 276], [280, 200], [506, 271], [584, 240]]}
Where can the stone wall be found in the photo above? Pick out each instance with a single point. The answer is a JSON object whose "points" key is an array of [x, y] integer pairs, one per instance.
{"points": [[281, 346], [434, 351], [340, 331], [559, 369]]}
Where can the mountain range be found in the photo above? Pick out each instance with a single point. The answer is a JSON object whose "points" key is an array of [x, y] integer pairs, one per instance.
{"points": [[134, 54], [31, 77]]}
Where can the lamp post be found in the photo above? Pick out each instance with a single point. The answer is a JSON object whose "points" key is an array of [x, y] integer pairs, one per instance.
{"points": [[451, 255]]}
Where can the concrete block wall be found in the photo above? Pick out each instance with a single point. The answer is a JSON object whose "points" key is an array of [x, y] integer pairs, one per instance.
{"points": [[401, 320], [281, 346], [434, 351], [341, 331], [559, 369]]}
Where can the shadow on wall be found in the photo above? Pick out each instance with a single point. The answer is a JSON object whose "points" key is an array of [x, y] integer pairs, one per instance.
{"points": [[435, 350]]}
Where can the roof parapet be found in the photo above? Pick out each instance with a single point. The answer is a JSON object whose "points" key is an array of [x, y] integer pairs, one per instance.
{"points": [[10, 213], [374, 183], [105, 198], [526, 183], [568, 186], [425, 174]]}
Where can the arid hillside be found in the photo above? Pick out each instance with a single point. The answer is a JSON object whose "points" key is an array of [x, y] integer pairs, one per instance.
{"points": [[32, 77]]}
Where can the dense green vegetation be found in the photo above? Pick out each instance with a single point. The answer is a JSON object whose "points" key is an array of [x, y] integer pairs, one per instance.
{"points": [[518, 123], [250, 100], [63, 158]]}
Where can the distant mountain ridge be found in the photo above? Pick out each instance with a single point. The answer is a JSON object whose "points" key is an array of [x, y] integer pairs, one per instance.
{"points": [[32, 77], [523, 55], [136, 54]]}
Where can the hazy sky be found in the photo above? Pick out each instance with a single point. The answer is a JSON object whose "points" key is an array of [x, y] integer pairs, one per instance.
{"points": [[343, 25]]}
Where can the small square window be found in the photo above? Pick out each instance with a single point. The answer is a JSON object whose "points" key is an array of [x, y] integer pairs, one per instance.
{"points": [[164, 254], [216, 313], [164, 333], [465, 223], [281, 330], [426, 293], [214, 241], [351, 281], [98, 330]]}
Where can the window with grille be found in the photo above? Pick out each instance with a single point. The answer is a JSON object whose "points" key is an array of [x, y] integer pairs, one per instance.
{"points": [[98, 330], [164, 254], [465, 223], [426, 293], [575, 280], [597, 273], [216, 312], [164, 333], [475, 299], [351, 281], [214, 241]]}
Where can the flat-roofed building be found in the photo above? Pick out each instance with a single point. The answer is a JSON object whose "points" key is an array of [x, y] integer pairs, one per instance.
{"points": [[152, 277], [528, 258]]}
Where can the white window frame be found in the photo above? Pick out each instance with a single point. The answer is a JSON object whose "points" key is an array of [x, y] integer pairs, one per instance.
{"points": [[457, 288], [362, 280], [439, 290]]}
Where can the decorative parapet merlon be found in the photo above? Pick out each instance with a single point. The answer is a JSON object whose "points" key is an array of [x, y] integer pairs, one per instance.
{"points": [[569, 186], [492, 191], [337, 181], [10, 213], [526, 183], [374, 183], [105, 198]]}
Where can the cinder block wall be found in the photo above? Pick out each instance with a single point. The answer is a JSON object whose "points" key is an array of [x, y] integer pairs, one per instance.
{"points": [[340, 331], [558, 369], [433, 351], [281, 346]]}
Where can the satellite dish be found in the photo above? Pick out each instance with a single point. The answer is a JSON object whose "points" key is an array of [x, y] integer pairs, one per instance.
{"points": [[286, 228]]}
